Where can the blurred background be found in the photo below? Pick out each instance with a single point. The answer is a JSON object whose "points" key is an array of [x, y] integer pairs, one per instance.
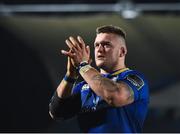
{"points": [[32, 33]]}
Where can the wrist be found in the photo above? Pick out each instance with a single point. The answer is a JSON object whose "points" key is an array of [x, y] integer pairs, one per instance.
{"points": [[73, 74], [84, 67], [69, 79], [83, 63]]}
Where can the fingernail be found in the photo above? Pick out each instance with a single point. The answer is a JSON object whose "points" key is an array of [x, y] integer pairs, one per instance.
{"points": [[79, 37], [62, 51]]}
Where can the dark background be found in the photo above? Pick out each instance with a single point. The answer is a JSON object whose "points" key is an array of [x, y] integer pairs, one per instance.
{"points": [[32, 66]]}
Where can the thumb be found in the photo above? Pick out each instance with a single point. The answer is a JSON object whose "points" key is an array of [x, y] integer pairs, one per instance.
{"points": [[68, 62], [88, 50], [90, 61]]}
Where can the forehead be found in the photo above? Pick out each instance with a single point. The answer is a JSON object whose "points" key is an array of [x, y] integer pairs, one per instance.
{"points": [[110, 37]]}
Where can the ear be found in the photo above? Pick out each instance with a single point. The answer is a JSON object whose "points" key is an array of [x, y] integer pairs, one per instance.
{"points": [[123, 51]]}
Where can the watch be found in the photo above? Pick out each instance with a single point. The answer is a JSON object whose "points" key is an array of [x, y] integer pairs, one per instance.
{"points": [[82, 64]]}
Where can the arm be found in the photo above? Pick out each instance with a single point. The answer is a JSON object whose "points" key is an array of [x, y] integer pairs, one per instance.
{"points": [[114, 93], [65, 87], [64, 104], [62, 99]]}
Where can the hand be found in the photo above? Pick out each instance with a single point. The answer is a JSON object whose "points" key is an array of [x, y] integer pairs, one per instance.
{"points": [[78, 50], [71, 70]]}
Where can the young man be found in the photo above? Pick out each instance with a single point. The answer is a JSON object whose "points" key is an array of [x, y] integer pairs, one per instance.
{"points": [[112, 100]]}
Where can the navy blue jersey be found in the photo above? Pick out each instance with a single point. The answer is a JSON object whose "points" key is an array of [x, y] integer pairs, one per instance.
{"points": [[96, 115]]}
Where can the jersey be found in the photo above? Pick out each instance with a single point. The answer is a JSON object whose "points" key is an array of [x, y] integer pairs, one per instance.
{"points": [[98, 116]]}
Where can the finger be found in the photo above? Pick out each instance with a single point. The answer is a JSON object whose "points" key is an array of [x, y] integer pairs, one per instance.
{"points": [[74, 43], [65, 52], [70, 45], [81, 41], [68, 63], [71, 55], [69, 59], [88, 50]]}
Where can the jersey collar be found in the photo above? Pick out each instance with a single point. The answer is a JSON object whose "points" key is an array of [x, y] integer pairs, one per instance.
{"points": [[109, 75], [119, 71]]}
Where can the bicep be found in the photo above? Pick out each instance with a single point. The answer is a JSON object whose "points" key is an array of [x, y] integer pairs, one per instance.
{"points": [[124, 94], [129, 89]]}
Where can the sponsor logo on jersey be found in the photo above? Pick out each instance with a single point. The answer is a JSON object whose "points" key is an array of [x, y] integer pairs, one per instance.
{"points": [[135, 80]]}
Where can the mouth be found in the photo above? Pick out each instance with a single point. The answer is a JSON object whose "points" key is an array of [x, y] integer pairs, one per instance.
{"points": [[100, 57]]}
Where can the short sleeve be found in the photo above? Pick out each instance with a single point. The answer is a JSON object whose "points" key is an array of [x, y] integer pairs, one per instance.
{"points": [[138, 84]]}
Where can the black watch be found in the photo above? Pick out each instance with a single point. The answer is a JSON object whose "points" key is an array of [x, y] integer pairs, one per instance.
{"points": [[82, 64]]}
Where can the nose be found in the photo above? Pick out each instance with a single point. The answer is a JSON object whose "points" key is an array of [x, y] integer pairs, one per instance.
{"points": [[100, 48]]}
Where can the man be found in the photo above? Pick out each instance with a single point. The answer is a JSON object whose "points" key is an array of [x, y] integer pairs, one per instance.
{"points": [[112, 100]]}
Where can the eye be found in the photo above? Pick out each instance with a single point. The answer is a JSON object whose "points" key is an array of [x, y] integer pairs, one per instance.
{"points": [[103, 44], [96, 45], [106, 44]]}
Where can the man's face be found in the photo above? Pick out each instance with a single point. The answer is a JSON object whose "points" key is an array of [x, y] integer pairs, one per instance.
{"points": [[107, 50]]}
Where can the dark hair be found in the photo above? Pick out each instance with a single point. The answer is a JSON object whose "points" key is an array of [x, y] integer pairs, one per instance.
{"points": [[111, 29]]}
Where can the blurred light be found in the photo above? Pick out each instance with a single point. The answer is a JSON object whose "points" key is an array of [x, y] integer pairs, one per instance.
{"points": [[129, 14], [129, 10]]}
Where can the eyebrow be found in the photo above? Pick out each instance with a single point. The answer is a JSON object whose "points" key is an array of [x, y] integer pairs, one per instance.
{"points": [[102, 42]]}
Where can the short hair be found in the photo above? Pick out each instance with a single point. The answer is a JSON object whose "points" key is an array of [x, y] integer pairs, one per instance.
{"points": [[111, 29]]}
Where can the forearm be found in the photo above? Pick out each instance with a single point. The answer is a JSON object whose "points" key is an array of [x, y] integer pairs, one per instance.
{"points": [[65, 88], [64, 108], [62, 100]]}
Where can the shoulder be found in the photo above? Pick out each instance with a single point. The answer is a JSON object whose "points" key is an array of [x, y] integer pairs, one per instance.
{"points": [[137, 82], [133, 77], [136, 78]]}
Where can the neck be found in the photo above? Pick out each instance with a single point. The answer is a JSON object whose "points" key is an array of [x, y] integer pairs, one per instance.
{"points": [[105, 71]]}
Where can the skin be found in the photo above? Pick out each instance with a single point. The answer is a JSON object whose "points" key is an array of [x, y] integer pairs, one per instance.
{"points": [[110, 51]]}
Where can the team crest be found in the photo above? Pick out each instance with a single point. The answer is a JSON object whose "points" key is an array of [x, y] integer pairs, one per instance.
{"points": [[85, 87]]}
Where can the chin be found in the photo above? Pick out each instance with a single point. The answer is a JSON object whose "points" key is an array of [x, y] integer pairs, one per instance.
{"points": [[99, 64]]}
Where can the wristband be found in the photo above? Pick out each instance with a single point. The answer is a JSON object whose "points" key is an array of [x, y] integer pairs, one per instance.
{"points": [[69, 79]]}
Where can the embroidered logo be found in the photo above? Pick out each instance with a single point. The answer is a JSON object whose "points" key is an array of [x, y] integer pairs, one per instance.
{"points": [[85, 87], [136, 81]]}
